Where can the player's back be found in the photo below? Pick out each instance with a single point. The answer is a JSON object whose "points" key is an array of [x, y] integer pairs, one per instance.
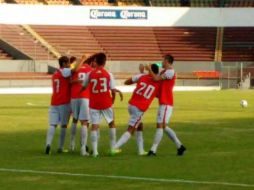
{"points": [[61, 89], [145, 92], [166, 88], [77, 77], [100, 81]]}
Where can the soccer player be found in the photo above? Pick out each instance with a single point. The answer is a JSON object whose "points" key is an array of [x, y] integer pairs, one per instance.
{"points": [[167, 81], [101, 83], [80, 106], [146, 90], [59, 111]]}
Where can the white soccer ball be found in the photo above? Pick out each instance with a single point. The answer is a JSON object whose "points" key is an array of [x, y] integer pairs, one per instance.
{"points": [[244, 103]]}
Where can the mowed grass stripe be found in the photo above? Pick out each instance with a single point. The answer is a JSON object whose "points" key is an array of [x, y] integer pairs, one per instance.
{"points": [[126, 177]]}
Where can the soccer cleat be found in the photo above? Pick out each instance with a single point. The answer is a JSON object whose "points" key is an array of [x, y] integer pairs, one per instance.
{"points": [[95, 155], [115, 151], [144, 153], [151, 153], [87, 149], [83, 151], [72, 147], [60, 150], [180, 151], [47, 150]]}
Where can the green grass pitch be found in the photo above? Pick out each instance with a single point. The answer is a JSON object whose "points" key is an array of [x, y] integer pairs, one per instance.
{"points": [[218, 134]]}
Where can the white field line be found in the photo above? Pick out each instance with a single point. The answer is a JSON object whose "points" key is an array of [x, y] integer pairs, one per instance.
{"points": [[127, 177]]}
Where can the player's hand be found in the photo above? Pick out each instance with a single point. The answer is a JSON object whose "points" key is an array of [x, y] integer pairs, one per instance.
{"points": [[148, 67], [141, 68], [121, 95]]}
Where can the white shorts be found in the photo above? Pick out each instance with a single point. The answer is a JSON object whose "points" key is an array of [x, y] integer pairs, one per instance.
{"points": [[135, 116], [164, 114], [59, 115], [80, 109], [96, 115]]}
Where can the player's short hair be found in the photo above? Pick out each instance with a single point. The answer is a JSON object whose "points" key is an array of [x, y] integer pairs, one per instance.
{"points": [[100, 59], [155, 68], [90, 59], [63, 60], [72, 59], [169, 58]]}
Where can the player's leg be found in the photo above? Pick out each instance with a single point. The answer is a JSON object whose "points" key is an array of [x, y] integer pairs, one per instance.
{"points": [[171, 134], [84, 119], [159, 131], [75, 111], [135, 118], [64, 119], [53, 122], [95, 120], [140, 140], [109, 116]]}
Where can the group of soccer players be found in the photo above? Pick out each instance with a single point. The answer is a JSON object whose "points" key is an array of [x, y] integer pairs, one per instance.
{"points": [[87, 91]]}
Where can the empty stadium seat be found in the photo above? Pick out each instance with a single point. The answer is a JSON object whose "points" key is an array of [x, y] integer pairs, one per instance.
{"points": [[96, 2], [4, 55], [28, 2], [131, 3], [238, 44], [18, 38], [58, 2]]}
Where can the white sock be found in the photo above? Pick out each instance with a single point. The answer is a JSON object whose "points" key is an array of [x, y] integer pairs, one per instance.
{"points": [[50, 134], [172, 135], [124, 138], [157, 139], [112, 137], [83, 135], [94, 139], [62, 137], [140, 141], [73, 134]]}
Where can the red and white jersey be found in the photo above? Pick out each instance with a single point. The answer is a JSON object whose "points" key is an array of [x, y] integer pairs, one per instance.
{"points": [[79, 76], [166, 87], [61, 87], [145, 91], [100, 82]]}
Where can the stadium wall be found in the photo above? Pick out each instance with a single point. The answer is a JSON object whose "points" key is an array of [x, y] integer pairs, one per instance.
{"points": [[125, 16], [47, 66]]}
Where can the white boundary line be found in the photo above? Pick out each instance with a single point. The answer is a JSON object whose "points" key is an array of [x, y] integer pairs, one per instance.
{"points": [[127, 177]]}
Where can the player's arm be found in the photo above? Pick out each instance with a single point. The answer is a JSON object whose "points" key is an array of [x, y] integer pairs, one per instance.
{"points": [[128, 81], [155, 77], [85, 83], [134, 79], [78, 65], [113, 89]]}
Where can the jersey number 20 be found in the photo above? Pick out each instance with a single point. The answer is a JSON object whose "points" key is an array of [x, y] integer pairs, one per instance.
{"points": [[145, 90]]}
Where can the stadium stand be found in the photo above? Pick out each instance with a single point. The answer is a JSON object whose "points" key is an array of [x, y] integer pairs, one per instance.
{"points": [[28, 1], [59, 2], [19, 39], [238, 44], [238, 3], [4, 55], [187, 44], [72, 40], [96, 2], [131, 2], [119, 43]]}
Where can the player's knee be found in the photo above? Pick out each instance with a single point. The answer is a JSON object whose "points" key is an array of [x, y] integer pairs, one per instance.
{"points": [[74, 120], [112, 124], [140, 127], [160, 125], [131, 130]]}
